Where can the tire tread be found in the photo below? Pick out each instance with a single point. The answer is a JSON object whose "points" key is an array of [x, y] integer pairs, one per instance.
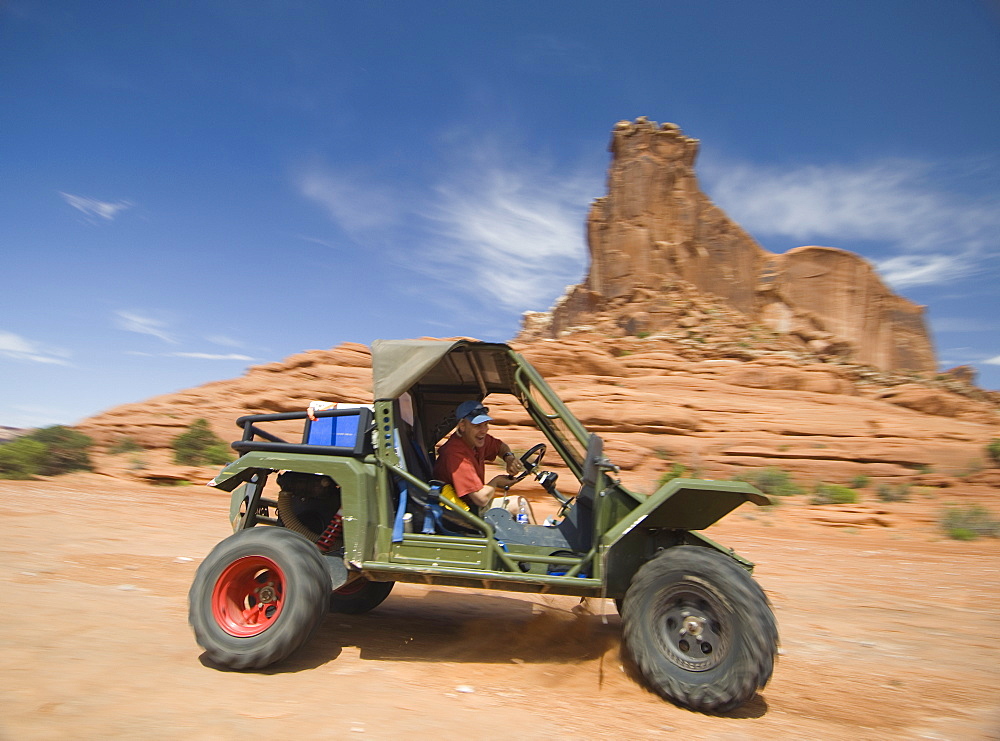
{"points": [[755, 639], [307, 587]]}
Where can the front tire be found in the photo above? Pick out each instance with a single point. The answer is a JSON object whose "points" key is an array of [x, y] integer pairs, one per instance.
{"points": [[700, 629], [257, 597]]}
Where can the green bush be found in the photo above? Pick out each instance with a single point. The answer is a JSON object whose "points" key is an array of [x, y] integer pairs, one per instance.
{"points": [[46, 452], [772, 480], [124, 444], [860, 481], [66, 450], [677, 471], [833, 494], [993, 451], [889, 493], [969, 523], [199, 446], [21, 458]]}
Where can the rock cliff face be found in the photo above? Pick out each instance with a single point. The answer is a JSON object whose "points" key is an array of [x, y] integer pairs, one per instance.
{"points": [[656, 229], [657, 403]]}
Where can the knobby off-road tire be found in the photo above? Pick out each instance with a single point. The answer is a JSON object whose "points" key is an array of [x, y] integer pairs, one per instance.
{"points": [[257, 597], [360, 596], [699, 629]]}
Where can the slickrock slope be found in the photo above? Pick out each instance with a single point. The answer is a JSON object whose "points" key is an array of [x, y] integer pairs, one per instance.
{"points": [[657, 403], [656, 228]]}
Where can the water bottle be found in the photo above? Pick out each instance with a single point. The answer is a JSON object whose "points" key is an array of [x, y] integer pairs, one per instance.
{"points": [[522, 512]]}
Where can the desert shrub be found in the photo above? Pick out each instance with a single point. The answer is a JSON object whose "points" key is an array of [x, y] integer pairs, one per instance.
{"points": [[833, 494], [65, 450], [124, 444], [969, 523], [860, 481], [993, 451], [46, 452], [21, 458], [772, 480], [199, 446], [890, 493], [677, 471]]}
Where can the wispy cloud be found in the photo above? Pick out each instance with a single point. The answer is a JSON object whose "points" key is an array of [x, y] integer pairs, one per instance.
{"points": [[218, 339], [91, 207], [512, 233], [965, 324], [938, 235], [15, 347], [993, 361], [353, 200], [209, 356], [505, 227], [917, 270], [131, 321]]}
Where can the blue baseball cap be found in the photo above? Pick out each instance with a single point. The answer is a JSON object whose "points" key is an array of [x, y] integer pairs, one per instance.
{"points": [[474, 411]]}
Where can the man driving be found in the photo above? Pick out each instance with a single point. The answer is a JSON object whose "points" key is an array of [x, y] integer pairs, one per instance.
{"points": [[461, 461]]}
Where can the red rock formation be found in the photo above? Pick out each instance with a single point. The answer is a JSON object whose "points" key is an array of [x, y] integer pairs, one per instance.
{"points": [[656, 229], [657, 402]]}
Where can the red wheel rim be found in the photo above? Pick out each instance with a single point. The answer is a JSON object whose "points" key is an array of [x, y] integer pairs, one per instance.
{"points": [[248, 596]]}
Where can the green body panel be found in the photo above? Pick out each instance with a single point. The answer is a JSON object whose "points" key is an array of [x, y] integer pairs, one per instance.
{"points": [[464, 552], [363, 508], [480, 579]]}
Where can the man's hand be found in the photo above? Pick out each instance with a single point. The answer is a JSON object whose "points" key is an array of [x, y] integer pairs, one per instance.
{"points": [[494, 487], [501, 482], [514, 465]]}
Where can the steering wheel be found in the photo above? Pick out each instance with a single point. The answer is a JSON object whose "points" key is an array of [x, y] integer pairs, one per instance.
{"points": [[530, 460]]}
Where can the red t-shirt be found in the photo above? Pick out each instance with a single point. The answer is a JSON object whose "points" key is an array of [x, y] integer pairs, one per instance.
{"points": [[463, 466]]}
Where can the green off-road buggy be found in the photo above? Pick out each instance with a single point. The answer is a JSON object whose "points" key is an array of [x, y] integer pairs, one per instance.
{"points": [[355, 509]]}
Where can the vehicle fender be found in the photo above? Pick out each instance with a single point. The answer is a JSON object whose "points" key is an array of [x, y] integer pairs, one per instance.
{"points": [[363, 511], [669, 517], [343, 469]]}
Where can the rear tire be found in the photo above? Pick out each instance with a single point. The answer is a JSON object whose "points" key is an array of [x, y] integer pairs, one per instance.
{"points": [[360, 596], [700, 629], [257, 597]]}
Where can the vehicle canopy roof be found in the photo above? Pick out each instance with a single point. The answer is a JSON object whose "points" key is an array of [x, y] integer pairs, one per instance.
{"points": [[440, 374]]}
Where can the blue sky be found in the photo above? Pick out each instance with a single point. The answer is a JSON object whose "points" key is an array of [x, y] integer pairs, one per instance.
{"points": [[188, 189]]}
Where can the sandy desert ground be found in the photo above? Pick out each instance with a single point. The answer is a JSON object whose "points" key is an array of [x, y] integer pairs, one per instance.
{"points": [[887, 633]]}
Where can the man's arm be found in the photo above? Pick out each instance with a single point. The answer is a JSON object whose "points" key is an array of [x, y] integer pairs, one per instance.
{"points": [[485, 495]]}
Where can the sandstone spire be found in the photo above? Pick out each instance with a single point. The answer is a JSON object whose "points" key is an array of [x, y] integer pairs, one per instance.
{"points": [[656, 227]]}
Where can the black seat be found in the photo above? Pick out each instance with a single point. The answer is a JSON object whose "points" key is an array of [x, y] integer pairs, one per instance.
{"points": [[578, 525]]}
